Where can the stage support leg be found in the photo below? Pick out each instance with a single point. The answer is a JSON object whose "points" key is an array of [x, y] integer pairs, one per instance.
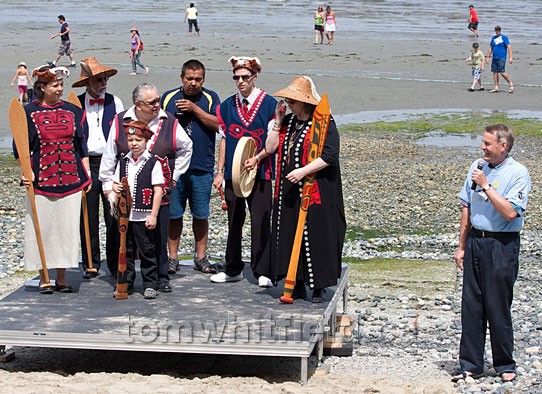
{"points": [[304, 370], [6, 355]]}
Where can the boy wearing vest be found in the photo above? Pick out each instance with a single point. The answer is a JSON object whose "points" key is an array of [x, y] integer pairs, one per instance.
{"points": [[146, 179]]}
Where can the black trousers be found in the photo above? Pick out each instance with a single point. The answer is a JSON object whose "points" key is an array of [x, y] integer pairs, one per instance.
{"points": [[140, 239], [112, 231], [490, 269], [259, 204], [161, 243]]}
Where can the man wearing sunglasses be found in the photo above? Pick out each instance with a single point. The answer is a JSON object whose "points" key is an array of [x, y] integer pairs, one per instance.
{"points": [[169, 142], [101, 107], [250, 112]]}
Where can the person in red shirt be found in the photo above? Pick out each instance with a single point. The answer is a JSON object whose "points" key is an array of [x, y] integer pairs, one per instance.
{"points": [[473, 21]]}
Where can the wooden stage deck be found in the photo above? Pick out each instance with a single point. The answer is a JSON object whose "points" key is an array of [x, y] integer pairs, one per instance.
{"points": [[197, 317]]}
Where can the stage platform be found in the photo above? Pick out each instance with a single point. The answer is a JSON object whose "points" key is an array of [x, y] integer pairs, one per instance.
{"points": [[197, 317]]}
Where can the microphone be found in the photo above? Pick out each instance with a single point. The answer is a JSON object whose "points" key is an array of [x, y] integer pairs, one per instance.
{"points": [[481, 164]]}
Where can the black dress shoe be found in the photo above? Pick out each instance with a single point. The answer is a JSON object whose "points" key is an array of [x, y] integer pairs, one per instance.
{"points": [[317, 297], [300, 292], [165, 288]]}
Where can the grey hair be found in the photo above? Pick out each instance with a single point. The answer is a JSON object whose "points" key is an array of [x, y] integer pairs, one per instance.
{"points": [[503, 134], [137, 94]]}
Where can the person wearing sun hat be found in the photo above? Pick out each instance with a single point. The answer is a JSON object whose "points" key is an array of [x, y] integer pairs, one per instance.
{"points": [[101, 108], [135, 51], [321, 249], [23, 78], [249, 112]]}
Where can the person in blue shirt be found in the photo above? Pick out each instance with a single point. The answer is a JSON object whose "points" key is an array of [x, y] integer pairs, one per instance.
{"points": [[493, 199], [195, 108], [499, 47]]}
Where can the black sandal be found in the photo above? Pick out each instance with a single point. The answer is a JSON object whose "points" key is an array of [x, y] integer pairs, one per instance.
{"points": [[45, 289], [204, 266]]}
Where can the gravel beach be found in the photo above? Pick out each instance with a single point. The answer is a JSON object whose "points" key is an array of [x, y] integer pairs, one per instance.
{"points": [[400, 202]]}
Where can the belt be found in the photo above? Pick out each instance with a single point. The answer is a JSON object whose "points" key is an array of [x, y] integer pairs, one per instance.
{"points": [[491, 234]]}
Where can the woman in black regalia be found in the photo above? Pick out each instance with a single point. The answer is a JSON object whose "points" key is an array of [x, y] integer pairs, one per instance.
{"points": [[325, 226]]}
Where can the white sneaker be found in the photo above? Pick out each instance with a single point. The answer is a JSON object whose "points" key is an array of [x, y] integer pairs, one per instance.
{"points": [[146, 70], [150, 293], [223, 278], [133, 73], [264, 281]]}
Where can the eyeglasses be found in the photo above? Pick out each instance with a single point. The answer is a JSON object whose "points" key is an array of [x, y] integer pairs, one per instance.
{"points": [[100, 79], [243, 77], [152, 103]]}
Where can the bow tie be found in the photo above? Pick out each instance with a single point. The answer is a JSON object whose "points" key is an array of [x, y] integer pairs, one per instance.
{"points": [[97, 101]]}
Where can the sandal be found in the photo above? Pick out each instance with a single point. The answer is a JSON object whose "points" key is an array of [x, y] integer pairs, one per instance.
{"points": [[494, 91], [173, 266], [511, 90], [204, 266], [465, 374], [63, 288], [508, 376], [45, 289]]}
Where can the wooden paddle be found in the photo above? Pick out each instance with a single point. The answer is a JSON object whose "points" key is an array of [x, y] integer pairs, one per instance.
{"points": [[318, 132], [72, 98], [123, 205], [19, 129]]}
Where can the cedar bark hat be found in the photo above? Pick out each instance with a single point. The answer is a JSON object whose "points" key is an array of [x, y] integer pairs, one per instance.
{"points": [[89, 68], [300, 89], [139, 128], [251, 63]]}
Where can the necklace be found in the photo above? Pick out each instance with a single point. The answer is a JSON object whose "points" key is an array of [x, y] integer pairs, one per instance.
{"points": [[300, 128]]}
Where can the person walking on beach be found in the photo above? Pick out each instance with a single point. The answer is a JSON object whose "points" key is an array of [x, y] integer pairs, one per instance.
{"points": [[473, 21], [101, 108], [250, 112], [23, 78], [143, 171], [58, 154], [169, 142], [330, 26], [195, 107], [65, 42], [191, 15], [476, 59], [319, 25], [499, 47], [493, 200], [135, 51]]}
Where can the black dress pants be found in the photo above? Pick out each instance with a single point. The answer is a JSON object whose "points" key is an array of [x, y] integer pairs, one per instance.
{"points": [[490, 269], [259, 203]]}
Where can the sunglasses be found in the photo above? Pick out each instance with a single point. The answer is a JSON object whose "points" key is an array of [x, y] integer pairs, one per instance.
{"points": [[243, 77], [152, 103], [100, 79], [290, 101]]}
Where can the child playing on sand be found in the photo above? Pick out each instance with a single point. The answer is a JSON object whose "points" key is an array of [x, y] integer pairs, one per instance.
{"points": [[145, 178], [23, 78], [476, 60]]}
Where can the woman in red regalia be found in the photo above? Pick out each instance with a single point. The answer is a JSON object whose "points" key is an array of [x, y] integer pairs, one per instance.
{"points": [[59, 157]]}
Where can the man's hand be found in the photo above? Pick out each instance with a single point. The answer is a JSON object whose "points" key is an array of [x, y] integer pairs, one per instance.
{"points": [[458, 258]]}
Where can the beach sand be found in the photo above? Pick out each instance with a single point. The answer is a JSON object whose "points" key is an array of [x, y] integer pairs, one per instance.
{"points": [[374, 75]]}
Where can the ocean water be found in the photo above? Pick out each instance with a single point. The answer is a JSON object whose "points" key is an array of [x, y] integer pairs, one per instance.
{"points": [[356, 18]]}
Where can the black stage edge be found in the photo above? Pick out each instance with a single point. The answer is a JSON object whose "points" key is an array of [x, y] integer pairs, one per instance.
{"points": [[197, 317]]}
